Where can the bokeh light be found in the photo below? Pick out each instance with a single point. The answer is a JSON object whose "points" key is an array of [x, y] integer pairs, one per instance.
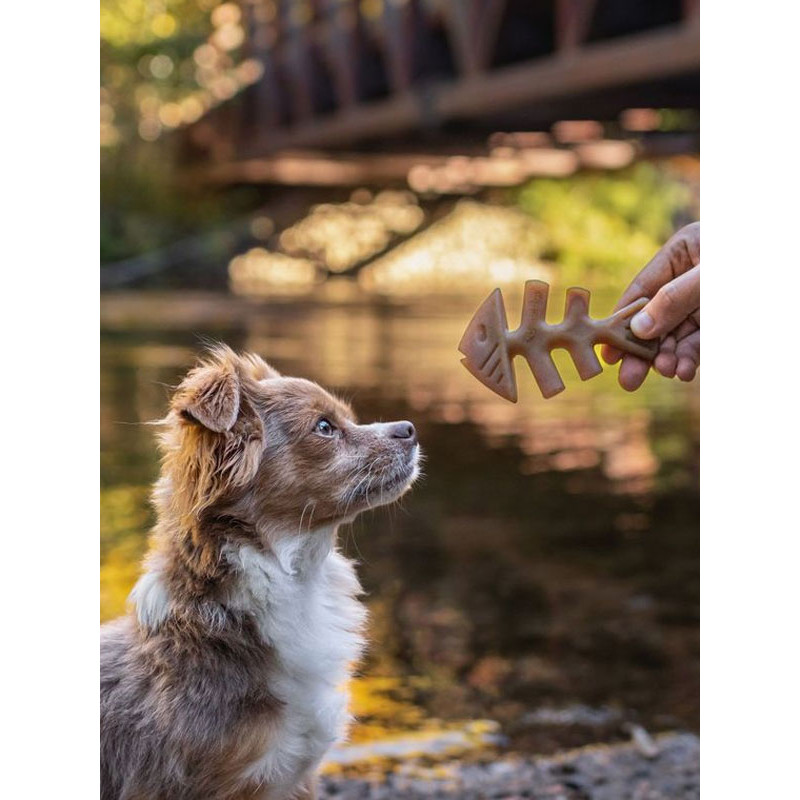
{"points": [[341, 235], [185, 54], [263, 273], [474, 246]]}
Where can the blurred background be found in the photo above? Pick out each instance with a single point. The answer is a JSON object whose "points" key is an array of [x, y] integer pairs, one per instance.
{"points": [[336, 185]]}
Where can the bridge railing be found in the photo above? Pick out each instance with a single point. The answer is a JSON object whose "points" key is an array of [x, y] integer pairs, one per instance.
{"points": [[340, 71]]}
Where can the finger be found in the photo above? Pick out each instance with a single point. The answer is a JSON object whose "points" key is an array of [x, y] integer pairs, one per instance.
{"points": [[686, 328], [665, 364], [632, 372], [670, 306], [610, 354], [686, 369], [678, 255], [668, 344], [689, 347], [688, 352], [666, 360]]}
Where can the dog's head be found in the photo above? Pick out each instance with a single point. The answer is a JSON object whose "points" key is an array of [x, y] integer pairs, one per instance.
{"points": [[278, 451]]}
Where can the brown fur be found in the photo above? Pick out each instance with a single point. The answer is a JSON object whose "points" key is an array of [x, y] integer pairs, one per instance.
{"points": [[186, 697]]}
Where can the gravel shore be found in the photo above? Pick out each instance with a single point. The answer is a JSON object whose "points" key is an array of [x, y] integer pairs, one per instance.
{"points": [[670, 771]]}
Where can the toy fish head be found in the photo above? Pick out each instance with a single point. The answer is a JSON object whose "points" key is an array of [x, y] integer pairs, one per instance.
{"points": [[485, 348]]}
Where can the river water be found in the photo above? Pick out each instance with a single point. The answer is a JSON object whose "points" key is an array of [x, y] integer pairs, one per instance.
{"points": [[539, 585]]}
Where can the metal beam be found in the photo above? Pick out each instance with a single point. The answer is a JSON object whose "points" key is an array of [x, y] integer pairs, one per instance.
{"points": [[491, 15], [460, 18], [297, 63], [573, 19], [640, 57], [395, 45], [338, 43], [319, 169], [472, 27], [265, 95], [691, 8]]}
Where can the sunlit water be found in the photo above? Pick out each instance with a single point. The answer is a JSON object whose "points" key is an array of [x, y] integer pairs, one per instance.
{"points": [[538, 588]]}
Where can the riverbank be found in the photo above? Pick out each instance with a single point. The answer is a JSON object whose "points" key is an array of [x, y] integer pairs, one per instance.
{"points": [[666, 769]]}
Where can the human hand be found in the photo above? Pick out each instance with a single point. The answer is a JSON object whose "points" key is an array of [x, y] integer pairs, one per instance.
{"points": [[672, 281]]}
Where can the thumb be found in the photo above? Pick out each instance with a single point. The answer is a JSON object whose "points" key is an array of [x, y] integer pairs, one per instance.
{"points": [[673, 302]]}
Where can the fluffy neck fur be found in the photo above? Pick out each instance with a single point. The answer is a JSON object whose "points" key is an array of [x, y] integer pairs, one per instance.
{"points": [[203, 560]]}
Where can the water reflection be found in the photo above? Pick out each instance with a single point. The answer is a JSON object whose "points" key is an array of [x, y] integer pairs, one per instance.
{"points": [[548, 560]]}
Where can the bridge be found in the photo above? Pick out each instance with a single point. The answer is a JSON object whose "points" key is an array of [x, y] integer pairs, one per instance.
{"points": [[380, 74]]}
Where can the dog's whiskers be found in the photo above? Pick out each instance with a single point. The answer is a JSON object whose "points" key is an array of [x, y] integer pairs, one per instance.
{"points": [[364, 474], [302, 514]]}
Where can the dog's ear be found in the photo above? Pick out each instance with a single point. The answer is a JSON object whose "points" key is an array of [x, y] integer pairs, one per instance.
{"points": [[258, 369], [214, 435], [210, 395]]}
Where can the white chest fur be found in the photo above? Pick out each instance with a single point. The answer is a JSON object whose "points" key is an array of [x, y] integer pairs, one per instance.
{"points": [[303, 595]]}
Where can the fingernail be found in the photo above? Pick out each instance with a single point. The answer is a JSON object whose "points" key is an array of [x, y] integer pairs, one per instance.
{"points": [[642, 324]]}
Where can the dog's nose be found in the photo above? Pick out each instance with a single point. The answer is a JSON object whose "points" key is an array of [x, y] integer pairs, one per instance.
{"points": [[403, 430]]}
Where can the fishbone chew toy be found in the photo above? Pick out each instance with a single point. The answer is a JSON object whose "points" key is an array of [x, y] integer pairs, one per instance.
{"points": [[490, 347]]}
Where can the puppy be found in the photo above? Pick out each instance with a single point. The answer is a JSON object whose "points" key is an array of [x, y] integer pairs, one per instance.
{"points": [[228, 679]]}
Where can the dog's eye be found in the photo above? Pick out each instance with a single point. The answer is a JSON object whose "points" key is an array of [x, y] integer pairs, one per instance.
{"points": [[325, 427]]}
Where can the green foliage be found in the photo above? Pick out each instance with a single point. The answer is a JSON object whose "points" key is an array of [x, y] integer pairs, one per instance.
{"points": [[141, 22], [146, 205], [164, 64], [606, 225], [140, 210]]}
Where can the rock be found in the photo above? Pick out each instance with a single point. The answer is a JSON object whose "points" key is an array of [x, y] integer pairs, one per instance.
{"points": [[599, 772]]}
